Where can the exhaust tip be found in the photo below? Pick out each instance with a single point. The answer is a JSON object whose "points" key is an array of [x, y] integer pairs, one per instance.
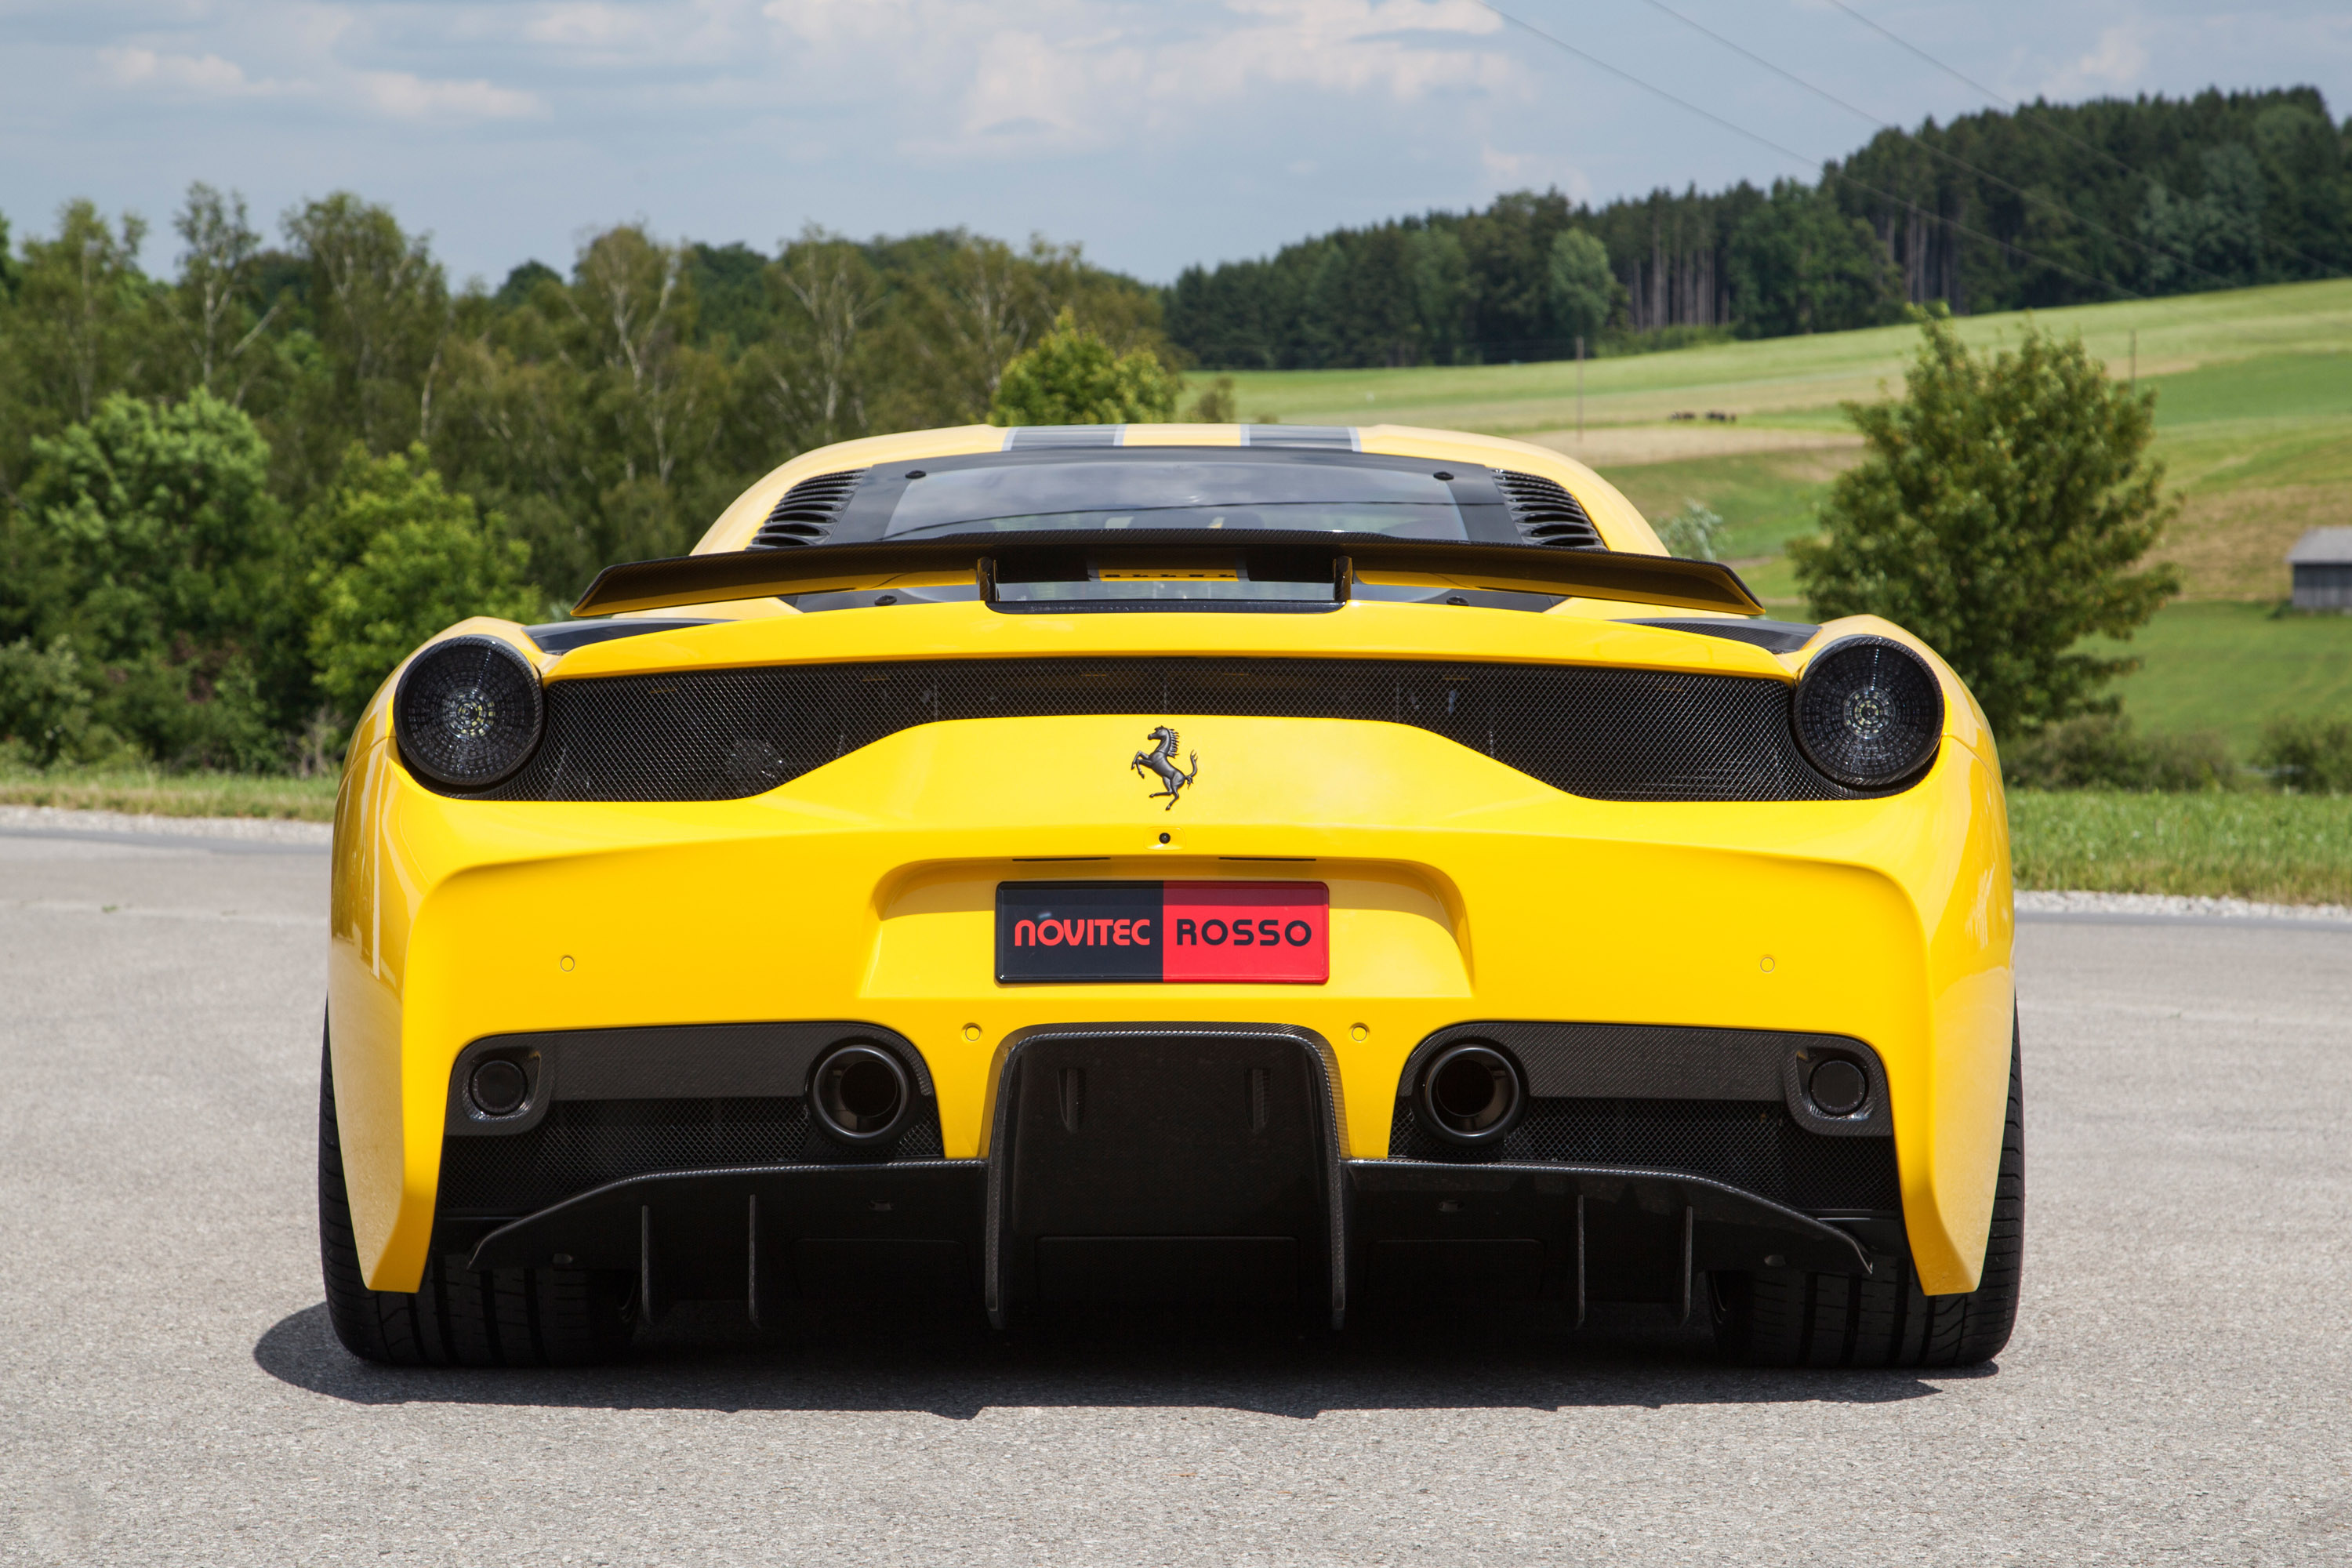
{"points": [[860, 1094], [498, 1086], [1470, 1094], [1839, 1087]]}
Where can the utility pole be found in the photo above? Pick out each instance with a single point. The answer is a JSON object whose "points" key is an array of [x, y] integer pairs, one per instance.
{"points": [[1580, 390]]}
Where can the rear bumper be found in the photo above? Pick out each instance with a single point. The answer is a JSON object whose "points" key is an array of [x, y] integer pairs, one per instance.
{"points": [[1460, 891], [1403, 1230], [1168, 1164]]}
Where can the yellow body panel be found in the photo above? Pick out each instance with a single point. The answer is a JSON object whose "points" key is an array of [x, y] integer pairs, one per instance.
{"points": [[1461, 889]]}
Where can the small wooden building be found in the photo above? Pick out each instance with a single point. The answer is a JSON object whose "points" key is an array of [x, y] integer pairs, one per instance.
{"points": [[2322, 563]]}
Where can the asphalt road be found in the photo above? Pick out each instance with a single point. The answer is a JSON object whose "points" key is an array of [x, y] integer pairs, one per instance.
{"points": [[169, 1389]]}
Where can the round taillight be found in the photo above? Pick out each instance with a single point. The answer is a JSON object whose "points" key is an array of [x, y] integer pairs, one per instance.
{"points": [[468, 712], [1869, 712]]}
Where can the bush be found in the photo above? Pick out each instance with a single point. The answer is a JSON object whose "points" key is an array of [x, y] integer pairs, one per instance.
{"points": [[1692, 533], [2000, 511], [2102, 751], [2308, 756], [1214, 406], [427, 563], [1073, 377], [45, 706]]}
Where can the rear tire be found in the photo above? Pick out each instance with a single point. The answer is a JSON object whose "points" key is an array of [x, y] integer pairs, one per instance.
{"points": [[1788, 1317], [458, 1316]]}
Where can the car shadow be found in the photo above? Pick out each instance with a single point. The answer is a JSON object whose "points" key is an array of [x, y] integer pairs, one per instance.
{"points": [[705, 1356]]}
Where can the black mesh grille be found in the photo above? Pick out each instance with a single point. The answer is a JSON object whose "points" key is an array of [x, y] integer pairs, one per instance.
{"points": [[1748, 1144], [1608, 733], [1546, 513], [583, 1143], [808, 511]]}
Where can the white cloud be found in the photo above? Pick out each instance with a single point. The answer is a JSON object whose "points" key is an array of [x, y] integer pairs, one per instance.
{"points": [[591, 24], [2114, 65], [1066, 75], [407, 97], [207, 75]]}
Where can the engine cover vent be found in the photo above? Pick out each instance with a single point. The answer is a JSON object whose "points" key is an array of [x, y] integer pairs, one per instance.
{"points": [[808, 511], [1546, 513]]}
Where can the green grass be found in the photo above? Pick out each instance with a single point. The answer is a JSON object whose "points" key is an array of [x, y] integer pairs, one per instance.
{"points": [[148, 793], [2288, 849], [2303, 384], [2253, 426], [2232, 667], [1766, 498], [1798, 382]]}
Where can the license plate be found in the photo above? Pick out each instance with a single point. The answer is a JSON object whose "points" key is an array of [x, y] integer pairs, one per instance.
{"points": [[1075, 933]]}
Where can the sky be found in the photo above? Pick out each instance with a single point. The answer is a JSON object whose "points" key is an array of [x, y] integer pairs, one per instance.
{"points": [[1158, 135]]}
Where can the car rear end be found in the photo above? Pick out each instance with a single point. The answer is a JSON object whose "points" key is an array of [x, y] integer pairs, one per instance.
{"points": [[900, 953]]}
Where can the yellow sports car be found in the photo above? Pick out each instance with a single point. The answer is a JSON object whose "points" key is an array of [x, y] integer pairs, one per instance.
{"points": [[1204, 866]]}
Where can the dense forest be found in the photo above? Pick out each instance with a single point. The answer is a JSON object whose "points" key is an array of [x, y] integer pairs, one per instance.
{"points": [[232, 497], [233, 494], [2051, 205]]}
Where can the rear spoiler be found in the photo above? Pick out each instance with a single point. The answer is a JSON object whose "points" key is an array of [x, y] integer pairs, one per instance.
{"points": [[1339, 559]]}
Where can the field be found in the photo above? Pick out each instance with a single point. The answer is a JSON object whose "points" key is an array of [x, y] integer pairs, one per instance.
{"points": [[2277, 849], [2254, 427]]}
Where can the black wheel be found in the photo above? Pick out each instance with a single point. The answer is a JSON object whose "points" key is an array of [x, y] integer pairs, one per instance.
{"points": [[1788, 1317], [458, 1316]]}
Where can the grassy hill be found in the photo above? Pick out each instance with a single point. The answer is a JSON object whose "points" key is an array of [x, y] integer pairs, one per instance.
{"points": [[2253, 424]]}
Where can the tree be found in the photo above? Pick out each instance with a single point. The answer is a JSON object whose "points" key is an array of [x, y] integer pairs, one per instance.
{"points": [[149, 550], [211, 302], [1583, 290], [402, 559], [1799, 265], [2000, 511], [380, 306], [158, 524], [78, 312], [810, 374], [2207, 241], [1073, 377]]}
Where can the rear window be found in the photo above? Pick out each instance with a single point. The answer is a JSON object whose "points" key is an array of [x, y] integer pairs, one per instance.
{"points": [[1190, 492]]}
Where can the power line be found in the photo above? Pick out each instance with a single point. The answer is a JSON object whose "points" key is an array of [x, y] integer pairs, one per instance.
{"points": [[2044, 122], [1791, 153], [1952, 158]]}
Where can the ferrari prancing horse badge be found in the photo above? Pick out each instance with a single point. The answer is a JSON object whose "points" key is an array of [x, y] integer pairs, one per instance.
{"points": [[1162, 760]]}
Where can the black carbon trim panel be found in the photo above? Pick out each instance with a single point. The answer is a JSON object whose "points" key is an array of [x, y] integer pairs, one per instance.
{"points": [[805, 514], [1604, 733], [661, 1061], [1665, 1061], [1753, 1145], [580, 1145], [1545, 513], [1774, 637], [563, 636]]}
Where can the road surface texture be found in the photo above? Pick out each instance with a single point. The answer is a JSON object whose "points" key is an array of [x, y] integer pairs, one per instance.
{"points": [[169, 1390]]}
